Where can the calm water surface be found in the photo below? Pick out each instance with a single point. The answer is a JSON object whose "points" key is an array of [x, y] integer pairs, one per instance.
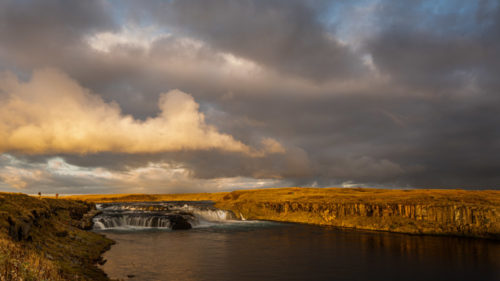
{"points": [[276, 251]]}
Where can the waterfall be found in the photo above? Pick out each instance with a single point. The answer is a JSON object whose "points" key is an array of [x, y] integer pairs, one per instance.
{"points": [[159, 215], [142, 220], [206, 213]]}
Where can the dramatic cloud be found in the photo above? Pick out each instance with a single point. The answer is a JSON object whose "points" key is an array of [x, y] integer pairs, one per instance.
{"points": [[447, 51], [284, 35], [53, 114], [48, 28], [379, 93]]}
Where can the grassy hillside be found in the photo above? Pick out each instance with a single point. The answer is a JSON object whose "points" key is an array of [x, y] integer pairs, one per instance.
{"points": [[43, 239]]}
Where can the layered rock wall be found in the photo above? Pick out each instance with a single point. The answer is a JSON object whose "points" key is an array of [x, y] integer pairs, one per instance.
{"points": [[446, 217]]}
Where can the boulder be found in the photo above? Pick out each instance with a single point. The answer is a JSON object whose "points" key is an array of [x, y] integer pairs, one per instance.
{"points": [[178, 222]]}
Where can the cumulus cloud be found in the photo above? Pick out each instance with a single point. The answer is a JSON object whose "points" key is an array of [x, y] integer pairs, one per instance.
{"points": [[51, 113]]}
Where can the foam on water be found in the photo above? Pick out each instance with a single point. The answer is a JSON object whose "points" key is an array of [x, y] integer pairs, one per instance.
{"points": [[159, 215]]}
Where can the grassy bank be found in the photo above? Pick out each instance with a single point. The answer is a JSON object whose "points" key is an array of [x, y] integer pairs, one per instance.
{"points": [[44, 239], [443, 212]]}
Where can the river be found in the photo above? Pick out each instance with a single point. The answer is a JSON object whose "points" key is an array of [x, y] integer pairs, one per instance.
{"points": [[221, 248]]}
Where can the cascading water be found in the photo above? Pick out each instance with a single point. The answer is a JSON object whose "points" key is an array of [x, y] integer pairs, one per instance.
{"points": [[160, 215], [133, 220]]}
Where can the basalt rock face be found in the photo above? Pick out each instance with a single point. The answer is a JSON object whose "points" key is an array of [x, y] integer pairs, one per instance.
{"points": [[452, 219], [445, 216]]}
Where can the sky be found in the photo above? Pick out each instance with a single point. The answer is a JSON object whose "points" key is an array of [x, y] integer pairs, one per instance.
{"points": [[108, 96]]}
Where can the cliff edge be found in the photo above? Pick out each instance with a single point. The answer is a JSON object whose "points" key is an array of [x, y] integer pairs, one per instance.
{"points": [[438, 212]]}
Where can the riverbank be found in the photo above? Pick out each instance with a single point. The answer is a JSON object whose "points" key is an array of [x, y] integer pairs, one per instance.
{"points": [[47, 239], [464, 213]]}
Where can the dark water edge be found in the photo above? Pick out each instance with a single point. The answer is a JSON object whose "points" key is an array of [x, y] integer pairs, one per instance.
{"points": [[280, 251]]}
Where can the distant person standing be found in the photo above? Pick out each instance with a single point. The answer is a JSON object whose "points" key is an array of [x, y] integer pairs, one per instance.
{"points": [[39, 194], [57, 195]]}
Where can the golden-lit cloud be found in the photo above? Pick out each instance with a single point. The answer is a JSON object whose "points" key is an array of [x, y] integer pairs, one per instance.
{"points": [[51, 113], [272, 146]]}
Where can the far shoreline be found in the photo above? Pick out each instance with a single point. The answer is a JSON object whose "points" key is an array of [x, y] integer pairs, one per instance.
{"points": [[452, 212]]}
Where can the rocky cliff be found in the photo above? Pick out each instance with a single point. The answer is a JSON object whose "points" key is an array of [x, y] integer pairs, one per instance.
{"points": [[443, 212]]}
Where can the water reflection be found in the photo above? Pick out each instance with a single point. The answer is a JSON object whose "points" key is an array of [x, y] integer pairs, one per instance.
{"points": [[298, 252]]}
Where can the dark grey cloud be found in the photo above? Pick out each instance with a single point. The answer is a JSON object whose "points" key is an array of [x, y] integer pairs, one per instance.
{"points": [[287, 36], [424, 116], [450, 58], [36, 32], [437, 51]]}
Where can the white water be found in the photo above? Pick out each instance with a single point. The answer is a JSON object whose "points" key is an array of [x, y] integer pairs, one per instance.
{"points": [[158, 215], [206, 217], [128, 221]]}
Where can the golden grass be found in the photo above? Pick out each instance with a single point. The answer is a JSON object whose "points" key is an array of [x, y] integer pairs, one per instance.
{"points": [[371, 195], [355, 195], [18, 263]]}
